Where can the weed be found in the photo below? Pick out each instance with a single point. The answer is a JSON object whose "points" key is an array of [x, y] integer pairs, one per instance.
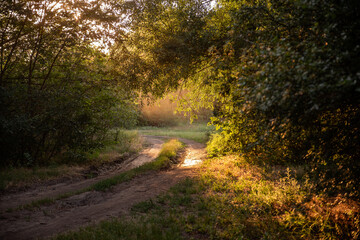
{"points": [[143, 207], [38, 203]]}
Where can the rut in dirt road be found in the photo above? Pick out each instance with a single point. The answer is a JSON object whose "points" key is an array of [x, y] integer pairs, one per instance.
{"points": [[92, 207]]}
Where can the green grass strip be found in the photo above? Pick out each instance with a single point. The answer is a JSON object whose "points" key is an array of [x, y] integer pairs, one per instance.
{"points": [[167, 153]]}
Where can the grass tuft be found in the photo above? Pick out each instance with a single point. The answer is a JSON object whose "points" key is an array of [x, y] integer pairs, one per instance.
{"points": [[144, 207]]}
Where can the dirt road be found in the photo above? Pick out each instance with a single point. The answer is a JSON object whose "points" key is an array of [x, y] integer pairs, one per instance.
{"points": [[92, 207]]}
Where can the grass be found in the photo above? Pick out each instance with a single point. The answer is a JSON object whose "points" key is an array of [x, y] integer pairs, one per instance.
{"points": [[121, 142], [124, 142], [167, 155], [15, 177], [125, 230], [198, 132], [46, 201], [232, 199]]}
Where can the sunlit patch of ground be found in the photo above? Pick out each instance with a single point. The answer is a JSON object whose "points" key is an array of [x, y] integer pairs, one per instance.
{"points": [[190, 162], [191, 159]]}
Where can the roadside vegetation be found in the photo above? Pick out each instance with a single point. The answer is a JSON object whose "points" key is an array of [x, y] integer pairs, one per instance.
{"points": [[119, 143]]}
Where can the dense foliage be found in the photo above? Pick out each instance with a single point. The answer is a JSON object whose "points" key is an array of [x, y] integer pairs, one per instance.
{"points": [[292, 82], [283, 76], [57, 94]]}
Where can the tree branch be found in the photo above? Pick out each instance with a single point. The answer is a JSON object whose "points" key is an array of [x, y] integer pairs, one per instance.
{"points": [[52, 65]]}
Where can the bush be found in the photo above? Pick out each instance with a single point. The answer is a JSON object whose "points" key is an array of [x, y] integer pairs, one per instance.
{"points": [[287, 84], [66, 123]]}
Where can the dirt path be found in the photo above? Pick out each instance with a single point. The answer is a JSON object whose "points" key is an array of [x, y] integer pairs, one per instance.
{"points": [[52, 190], [92, 207]]}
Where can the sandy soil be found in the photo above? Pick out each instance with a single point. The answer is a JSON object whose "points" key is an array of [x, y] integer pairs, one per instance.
{"points": [[92, 207]]}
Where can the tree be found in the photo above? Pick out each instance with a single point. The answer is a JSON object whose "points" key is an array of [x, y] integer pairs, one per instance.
{"points": [[57, 93], [284, 76], [163, 44]]}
